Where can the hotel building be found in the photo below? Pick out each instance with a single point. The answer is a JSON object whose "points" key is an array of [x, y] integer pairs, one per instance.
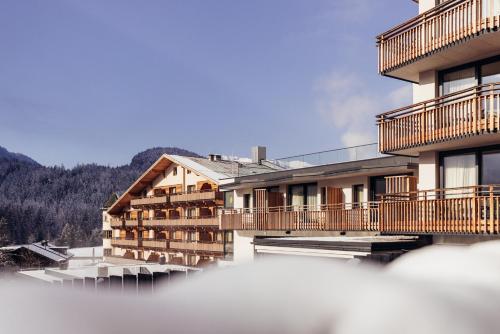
{"points": [[169, 214], [440, 175]]}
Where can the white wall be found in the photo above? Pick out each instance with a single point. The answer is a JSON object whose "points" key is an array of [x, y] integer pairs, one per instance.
{"points": [[425, 5], [426, 89], [243, 250], [428, 171]]}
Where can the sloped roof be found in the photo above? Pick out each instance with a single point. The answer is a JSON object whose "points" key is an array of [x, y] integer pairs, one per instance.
{"points": [[47, 251], [212, 170]]}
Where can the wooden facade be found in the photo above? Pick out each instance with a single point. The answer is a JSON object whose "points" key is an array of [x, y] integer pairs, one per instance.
{"points": [[470, 112], [442, 26]]}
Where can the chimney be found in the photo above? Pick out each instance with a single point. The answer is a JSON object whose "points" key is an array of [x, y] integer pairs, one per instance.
{"points": [[258, 154], [214, 157]]}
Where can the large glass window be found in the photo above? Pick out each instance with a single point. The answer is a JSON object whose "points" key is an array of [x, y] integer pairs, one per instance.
{"points": [[357, 194], [377, 188], [458, 80], [490, 167], [229, 200], [491, 8], [490, 73], [303, 195], [459, 171]]}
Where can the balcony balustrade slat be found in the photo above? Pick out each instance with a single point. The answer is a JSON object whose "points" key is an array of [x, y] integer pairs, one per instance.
{"points": [[437, 28]]}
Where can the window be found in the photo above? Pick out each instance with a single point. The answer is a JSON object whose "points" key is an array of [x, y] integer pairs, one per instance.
{"points": [[457, 80], [174, 171], [357, 194], [191, 188], [246, 201], [107, 251], [459, 170], [377, 188], [303, 195], [107, 234], [323, 195], [490, 173], [229, 200], [490, 73], [172, 190], [188, 171], [190, 212]]}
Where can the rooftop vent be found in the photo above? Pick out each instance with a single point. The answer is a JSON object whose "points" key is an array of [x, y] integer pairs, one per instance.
{"points": [[258, 154], [214, 157]]}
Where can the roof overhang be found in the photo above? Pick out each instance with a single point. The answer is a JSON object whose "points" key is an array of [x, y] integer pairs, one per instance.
{"points": [[156, 169], [390, 165]]}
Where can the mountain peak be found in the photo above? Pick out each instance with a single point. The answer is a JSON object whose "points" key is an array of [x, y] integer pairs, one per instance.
{"points": [[11, 156], [145, 159]]}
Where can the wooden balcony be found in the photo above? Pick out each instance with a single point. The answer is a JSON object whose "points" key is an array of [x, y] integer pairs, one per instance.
{"points": [[131, 222], [183, 221], [342, 217], [149, 201], [155, 244], [132, 243], [214, 247], [116, 222], [471, 210], [463, 117], [200, 196], [455, 32]]}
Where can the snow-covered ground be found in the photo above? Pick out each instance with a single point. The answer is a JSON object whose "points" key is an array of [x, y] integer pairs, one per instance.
{"points": [[438, 289]]}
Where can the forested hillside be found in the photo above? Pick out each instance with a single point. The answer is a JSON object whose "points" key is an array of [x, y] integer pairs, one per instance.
{"points": [[63, 205]]}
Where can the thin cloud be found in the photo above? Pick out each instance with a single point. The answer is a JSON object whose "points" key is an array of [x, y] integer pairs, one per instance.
{"points": [[346, 103]]}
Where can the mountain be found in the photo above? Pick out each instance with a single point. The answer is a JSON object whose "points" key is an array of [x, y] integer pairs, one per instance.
{"points": [[6, 155], [63, 205]]}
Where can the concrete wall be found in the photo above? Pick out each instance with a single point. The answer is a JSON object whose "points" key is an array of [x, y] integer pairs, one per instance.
{"points": [[425, 5], [428, 171], [426, 89], [243, 251]]}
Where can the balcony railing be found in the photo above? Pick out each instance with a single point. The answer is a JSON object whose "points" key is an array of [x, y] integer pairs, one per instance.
{"points": [[451, 22], [215, 247], [155, 243], [470, 210], [125, 242], [116, 222], [342, 217], [346, 154], [153, 201], [469, 112], [182, 221], [131, 222], [197, 196]]}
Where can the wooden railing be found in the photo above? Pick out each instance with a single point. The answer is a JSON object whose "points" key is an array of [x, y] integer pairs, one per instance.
{"points": [[182, 221], [470, 210], [125, 242], [131, 222], [341, 217], [215, 247], [116, 222], [448, 23], [468, 112], [152, 200], [210, 195], [155, 243]]}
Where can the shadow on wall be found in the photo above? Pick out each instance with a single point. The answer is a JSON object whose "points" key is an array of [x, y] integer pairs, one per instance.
{"points": [[437, 289]]}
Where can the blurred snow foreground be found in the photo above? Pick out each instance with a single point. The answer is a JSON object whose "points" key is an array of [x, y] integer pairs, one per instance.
{"points": [[439, 289]]}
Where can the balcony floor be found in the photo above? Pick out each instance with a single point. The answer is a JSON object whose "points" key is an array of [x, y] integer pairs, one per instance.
{"points": [[482, 46]]}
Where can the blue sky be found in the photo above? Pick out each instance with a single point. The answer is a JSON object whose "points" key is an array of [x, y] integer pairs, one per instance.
{"points": [[100, 80]]}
